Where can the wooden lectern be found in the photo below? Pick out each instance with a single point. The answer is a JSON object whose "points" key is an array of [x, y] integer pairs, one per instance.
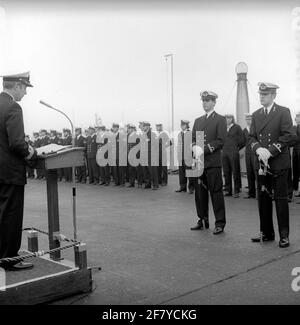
{"points": [[70, 157]]}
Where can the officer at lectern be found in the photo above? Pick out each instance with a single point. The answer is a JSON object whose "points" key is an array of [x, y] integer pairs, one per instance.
{"points": [[14, 152]]}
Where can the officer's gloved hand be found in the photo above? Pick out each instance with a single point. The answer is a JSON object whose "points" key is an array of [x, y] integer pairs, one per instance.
{"points": [[263, 155], [197, 151]]}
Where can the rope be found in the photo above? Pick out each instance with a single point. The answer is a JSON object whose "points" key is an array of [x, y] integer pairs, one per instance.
{"points": [[61, 237], [35, 254]]}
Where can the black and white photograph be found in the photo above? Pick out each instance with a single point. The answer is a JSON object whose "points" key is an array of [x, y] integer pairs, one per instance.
{"points": [[149, 155]]}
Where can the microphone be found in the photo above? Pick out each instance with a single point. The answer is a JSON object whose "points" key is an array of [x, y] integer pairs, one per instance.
{"points": [[64, 114], [44, 103], [73, 167]]}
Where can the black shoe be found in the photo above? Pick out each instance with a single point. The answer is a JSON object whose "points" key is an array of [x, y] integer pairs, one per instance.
{"points": [[155, 188], [20, 266], [147, 186], [218, 230], [206, 224], [228, 194], [107, 184], [102, 183], [164, 184], [262, 238], [284, 242], [236, 195], [181, 189], [130, 185], [191, 191], [199, 226]]}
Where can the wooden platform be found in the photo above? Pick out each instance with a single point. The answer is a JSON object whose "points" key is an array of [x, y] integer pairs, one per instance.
{"points": [[47, 281]]}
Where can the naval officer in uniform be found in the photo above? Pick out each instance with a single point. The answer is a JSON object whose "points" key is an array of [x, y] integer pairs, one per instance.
{"points": [[214, 127], [14, 151], [270, 134]]}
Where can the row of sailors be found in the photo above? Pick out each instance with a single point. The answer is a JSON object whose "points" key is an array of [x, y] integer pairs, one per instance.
{"points": [[236, 140], [97, 137]]}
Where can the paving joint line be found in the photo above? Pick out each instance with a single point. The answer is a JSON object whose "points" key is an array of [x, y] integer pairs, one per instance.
{"points": [[273, 260]]}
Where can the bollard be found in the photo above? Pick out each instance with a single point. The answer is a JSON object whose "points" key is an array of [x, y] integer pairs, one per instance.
{"points": [[80, 256], [32, 236]]}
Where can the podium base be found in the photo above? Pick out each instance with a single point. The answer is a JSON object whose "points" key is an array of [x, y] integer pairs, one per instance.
{"points": [[47, 281]]}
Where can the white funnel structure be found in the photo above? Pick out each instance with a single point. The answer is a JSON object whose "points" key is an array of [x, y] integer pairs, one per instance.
{"points": [[242, 98]]}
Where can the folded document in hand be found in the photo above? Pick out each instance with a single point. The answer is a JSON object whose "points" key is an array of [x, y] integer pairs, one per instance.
{"points": [[50, 148]]}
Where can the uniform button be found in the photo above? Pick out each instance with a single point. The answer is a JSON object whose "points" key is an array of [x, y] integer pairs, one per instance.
{"points": [[269, 134]]}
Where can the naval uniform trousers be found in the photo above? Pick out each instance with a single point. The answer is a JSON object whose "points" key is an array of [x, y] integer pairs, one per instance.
{"points": [[296, 168], [231, 168], [210, 182], [11, 219], [183, 180], [278, 183], [250, 168], [140, 174]]}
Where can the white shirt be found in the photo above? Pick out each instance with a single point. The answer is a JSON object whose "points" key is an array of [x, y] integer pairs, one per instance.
{"points": [[269, 108], [209, 113]]}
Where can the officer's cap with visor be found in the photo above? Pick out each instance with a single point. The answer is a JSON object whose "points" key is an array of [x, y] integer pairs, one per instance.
{"points": [[23, 78], [265, 88], [208, 95]]}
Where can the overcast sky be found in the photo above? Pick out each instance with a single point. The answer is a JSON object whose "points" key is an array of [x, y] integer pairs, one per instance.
{"points": [[108, 58]]}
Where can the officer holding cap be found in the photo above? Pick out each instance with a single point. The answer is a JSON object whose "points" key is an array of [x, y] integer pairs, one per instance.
{"points": [[14, 151], [271, 133], [214, 127]]}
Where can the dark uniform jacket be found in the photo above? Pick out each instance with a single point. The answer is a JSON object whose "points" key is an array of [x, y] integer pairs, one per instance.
{"points": [[248, 150], [36, 142], [234, 140], [54, 140], [274, 132], [184, 153], [215, 130], [296, 142], [44, 141], [91, 146], [80, 141], [67, 141], [13, 147], [150, 144]]}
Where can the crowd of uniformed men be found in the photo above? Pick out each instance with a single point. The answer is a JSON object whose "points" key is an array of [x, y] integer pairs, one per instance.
{"points": [[93, 139], [153, 176]]}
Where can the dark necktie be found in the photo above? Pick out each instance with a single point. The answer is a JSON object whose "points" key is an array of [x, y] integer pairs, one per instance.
{"points": [[266, 111]]}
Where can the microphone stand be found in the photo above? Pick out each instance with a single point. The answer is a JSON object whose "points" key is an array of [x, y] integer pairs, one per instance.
{"points": [[73, 169]]}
